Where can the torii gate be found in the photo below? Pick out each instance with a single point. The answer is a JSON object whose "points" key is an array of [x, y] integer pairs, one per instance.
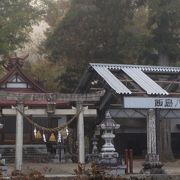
{"points": [[21, 100]]}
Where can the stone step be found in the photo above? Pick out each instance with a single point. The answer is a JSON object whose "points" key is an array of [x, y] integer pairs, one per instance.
{"points": [[31, 153]]}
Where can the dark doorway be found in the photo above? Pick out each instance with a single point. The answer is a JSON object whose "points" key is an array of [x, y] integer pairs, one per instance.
{"points": [[135, 141]]}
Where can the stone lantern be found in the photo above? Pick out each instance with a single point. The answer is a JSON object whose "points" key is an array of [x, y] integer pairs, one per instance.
{"points": [[108, 154], [94, 142]]}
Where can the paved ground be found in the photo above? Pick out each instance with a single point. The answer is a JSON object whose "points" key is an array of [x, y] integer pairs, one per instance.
{"points": [[67, 168]]}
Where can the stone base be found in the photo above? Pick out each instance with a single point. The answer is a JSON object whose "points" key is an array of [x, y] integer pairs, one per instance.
{"points": [[115, 171], [152, 165], [108, 162], [109, 159], [109, 154], [153, 171]]}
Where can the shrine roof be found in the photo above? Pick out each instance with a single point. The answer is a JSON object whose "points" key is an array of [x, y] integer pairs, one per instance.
{"points": [[16, 86], [127, 79], [16, 80], [145, 68]]}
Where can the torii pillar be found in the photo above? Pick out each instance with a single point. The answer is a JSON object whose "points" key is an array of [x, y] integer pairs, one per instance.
{"points": [[80, 134], [19, 136]]}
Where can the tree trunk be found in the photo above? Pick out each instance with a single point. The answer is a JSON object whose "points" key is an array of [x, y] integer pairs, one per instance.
{"points": [[164, 139], [166, 153], [163, 60]]}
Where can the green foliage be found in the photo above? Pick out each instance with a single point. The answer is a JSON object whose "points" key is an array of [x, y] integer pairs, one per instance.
{"points": [[55, 11], [69, 78], [45, 72], [164, 26], [88, 33], [118, 31], [16, 19], [133, 36]]}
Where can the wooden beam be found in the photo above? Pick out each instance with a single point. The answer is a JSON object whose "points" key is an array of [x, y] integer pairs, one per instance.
{"points": [[105, 99], [142, 113], [42, 112], [50, 97], [84, 80], [116, 113]]}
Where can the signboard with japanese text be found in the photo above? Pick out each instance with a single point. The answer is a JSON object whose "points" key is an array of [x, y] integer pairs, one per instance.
{"points": [[151, 102]]}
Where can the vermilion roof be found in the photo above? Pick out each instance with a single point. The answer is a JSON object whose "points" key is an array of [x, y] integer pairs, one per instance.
{"points": [[16, 83], [18, 71]]}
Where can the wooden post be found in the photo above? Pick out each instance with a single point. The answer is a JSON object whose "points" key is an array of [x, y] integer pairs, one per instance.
{"points": [[130, 160], [19, 137], [80, 134], [126, 160], [61, 151]]}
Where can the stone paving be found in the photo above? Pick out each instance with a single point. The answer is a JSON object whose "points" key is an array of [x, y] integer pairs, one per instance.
{"points": [[172, 168]]}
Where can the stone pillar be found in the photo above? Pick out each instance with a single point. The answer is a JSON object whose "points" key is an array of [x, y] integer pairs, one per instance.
{"points": [[152, 165], [151, 132], [80, 134], [19, 137]]}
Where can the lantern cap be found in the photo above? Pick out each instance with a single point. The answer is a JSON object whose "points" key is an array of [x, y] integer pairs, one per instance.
{"points": [[108, 115], [108, 122]]}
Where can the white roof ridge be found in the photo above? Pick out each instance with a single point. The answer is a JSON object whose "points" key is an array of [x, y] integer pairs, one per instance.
{"points": [[150, 68]]}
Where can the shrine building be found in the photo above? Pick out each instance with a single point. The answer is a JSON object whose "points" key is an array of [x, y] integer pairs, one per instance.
{"points": [[35, 121], [129, 92]]}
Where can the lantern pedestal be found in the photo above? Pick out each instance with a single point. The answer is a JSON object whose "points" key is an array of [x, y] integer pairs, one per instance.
{"points": [[108, 156], [95, 153]]}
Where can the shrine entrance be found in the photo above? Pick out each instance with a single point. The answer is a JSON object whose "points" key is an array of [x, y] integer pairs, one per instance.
{"points": [[35, 119]]}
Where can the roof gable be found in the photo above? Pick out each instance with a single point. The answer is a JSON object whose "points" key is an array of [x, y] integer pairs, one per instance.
{"points": [[16, 80]]}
